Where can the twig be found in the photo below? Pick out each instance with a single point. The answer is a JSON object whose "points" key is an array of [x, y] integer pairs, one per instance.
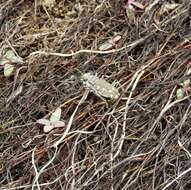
{"points": [[58, 142], [90, 51], [178, 177]]}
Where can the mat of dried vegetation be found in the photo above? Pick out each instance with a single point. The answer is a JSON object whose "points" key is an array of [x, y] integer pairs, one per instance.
{"points": [[141, 140]]}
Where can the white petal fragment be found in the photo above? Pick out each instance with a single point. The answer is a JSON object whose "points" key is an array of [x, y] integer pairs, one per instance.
{"points": [[48, 128], [10, 55], [55, 117], [43, 122], [59, 124], [8, 70]]}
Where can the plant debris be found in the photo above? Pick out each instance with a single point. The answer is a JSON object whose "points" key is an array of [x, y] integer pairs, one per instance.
{"points": [[53, 122], [165, 8], [110, 43], [139, 141], [7, 62]]}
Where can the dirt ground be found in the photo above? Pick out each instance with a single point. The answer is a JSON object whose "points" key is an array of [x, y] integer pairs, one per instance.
{"points": [[139, 141]]}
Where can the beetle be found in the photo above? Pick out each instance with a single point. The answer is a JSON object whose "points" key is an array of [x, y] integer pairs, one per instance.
{"points": [[100, 87]]}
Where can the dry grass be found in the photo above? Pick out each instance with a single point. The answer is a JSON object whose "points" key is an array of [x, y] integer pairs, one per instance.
{"points": [[141, 141]]}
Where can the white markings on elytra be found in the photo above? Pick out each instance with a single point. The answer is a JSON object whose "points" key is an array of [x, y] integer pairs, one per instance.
{"points": [[100, 86]]}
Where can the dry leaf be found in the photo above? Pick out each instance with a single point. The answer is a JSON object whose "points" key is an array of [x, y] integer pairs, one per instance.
{"points": [[116, 39], [110, 43], [138, 5], [167, 7], [164, 8], [105, 46], [151, 5], [130, 11], [15, 93]]}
